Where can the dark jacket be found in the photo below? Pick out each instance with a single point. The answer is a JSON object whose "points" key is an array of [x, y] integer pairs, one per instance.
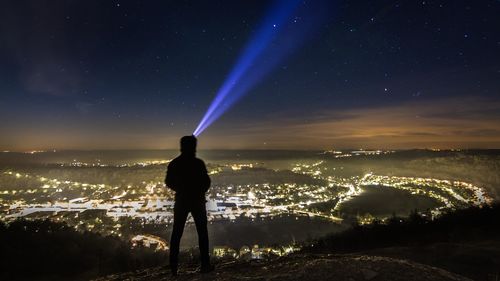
{"points": [[188, 177]]}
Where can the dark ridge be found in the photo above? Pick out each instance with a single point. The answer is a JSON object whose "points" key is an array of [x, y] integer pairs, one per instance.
{"points": [[465, 241], [46, 250]]}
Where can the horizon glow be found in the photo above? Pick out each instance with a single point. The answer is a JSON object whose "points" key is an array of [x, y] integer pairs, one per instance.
{"points": [[285, 28]]}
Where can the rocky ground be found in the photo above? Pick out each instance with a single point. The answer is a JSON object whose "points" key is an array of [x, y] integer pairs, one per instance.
{"points": [[303, 267]]}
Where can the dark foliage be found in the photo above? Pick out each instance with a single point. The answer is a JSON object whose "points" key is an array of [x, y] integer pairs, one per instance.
{"points": [[465, 241], [45, 250], [462, 225]]}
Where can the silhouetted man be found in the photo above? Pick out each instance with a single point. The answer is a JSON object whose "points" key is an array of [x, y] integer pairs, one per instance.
{"points": [[187, 176]]}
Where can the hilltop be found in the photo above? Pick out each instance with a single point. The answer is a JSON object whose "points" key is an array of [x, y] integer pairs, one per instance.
{"points": [[304, 267]]}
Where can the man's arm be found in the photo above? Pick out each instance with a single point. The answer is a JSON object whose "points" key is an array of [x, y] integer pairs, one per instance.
{"points": [[170, 178], [205, 179]]}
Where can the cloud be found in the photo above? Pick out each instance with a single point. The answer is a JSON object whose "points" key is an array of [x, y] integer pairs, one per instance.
{"points": [[466, 122], [422, 124]]}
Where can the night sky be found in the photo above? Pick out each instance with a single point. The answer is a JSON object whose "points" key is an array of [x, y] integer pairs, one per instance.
{"points": [[140, 74]]}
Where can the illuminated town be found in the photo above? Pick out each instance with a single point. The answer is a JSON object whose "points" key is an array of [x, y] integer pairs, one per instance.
{"points": [[129, 199], [49, 197]]}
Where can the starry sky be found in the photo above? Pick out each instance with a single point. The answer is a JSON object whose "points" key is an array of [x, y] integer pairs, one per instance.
{"points": [[140, 74]]}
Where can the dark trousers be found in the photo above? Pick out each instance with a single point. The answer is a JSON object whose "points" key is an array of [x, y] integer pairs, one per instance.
{"points": [[199, 213]]}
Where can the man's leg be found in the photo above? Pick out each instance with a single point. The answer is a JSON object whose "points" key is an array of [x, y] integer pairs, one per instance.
{"points": [[180, 216], [200, 219]]}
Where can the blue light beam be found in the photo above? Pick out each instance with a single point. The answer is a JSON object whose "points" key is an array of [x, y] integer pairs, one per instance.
{"points": [[285, 28]]}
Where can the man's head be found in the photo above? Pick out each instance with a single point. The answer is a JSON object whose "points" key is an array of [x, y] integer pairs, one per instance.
{"points": [[188, 145]]}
